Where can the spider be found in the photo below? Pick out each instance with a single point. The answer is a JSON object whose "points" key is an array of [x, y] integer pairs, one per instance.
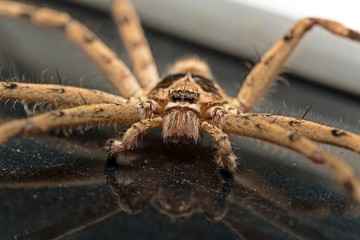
{"points": [[184, 103]]}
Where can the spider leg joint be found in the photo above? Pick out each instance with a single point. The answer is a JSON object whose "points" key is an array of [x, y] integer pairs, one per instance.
{"points": [[30, 129]]}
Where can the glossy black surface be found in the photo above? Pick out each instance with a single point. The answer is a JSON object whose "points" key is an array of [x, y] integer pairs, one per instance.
{"points": [[53, 185]]}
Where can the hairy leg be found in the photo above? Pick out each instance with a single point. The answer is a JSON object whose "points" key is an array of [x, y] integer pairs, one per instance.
{"points": [[315, 131], [270, 65], [58, 95], [97, 114], [223, 151], [107, 61], [129, 140], [136, 44], [257, 128]]}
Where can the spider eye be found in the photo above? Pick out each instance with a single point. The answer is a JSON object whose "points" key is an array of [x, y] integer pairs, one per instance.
{"points": [[184, 96], [175, 97]]}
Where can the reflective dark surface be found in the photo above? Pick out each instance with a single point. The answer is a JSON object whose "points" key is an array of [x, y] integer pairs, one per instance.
{"points": [[55, 186], [58, 189]]}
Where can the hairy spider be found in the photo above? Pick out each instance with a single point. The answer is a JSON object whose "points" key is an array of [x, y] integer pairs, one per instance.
{"points": [[184, 102]]}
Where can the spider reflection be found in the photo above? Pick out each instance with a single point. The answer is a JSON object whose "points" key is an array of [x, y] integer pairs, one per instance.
{"points": [[178, 185], [175, 188]]}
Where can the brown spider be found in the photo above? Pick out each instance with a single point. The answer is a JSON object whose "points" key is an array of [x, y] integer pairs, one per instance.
{"points": [[184, 102]]}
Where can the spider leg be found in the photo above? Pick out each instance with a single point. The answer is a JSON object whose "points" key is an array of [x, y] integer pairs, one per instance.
{"points": [[64, 96], [223, 151], [316, 131], [270, 65], [128, 142], [255, 127], [107, 61], [97, 114], [136, 44]]}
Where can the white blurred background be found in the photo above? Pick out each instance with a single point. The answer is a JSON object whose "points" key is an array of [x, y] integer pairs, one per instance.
{"points": [[247, 28]]}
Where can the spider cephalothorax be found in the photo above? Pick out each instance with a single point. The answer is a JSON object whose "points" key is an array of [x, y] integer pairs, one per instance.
{"points": [[183, 103], [184, 99]]}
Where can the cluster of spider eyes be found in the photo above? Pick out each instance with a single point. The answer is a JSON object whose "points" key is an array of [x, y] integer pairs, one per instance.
{"points": [[184, 96]]}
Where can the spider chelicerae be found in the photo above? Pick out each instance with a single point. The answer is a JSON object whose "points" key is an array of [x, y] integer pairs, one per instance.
{"points": [[186, 101]]}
